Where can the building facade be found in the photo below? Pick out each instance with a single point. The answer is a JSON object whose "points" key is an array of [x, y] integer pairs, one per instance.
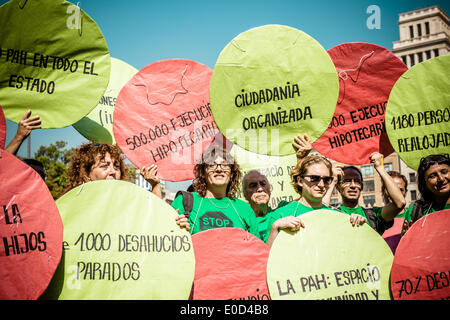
{"points": [[424, 34]]}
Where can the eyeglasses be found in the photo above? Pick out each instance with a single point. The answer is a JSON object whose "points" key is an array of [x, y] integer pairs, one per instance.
{"points": [[347, 181], [316, 179], [215, 166]]}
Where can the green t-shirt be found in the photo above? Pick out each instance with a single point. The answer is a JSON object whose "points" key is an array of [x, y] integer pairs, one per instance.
{"points": [[264, 220], [294, 208], [211, 213], [425, 212], [380, 224]]}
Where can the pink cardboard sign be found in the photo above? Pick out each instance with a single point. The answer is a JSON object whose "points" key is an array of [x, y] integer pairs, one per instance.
{"points": [[31, 231], [420, 270], [163, 116], [230, 263], [2, 129], [367, 73]]}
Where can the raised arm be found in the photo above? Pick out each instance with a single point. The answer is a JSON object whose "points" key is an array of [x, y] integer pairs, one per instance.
{"points": [[24, 128], [392, 209]]}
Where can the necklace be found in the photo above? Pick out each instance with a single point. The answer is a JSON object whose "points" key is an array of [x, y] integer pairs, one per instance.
{"points": [[217, 205]]}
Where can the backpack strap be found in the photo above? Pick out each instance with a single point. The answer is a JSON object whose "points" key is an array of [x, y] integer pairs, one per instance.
{"points": [[188, 202], [418, 210], [371, 219]]}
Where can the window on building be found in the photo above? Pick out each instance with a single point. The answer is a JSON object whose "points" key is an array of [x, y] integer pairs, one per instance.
{"points": [[334, 203], [411, 32], [369, 201], [404, 59], [420, 56], [428, 54], [412, 177], [369, 186], [436, 52], [427, 28], [419, 30], [388, 166], [367, 171], [411, 57], [413, 195]]}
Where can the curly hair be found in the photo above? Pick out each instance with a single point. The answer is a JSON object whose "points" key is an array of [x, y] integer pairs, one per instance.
{"points": [[85, 157], [208, 157], [303, 165]]}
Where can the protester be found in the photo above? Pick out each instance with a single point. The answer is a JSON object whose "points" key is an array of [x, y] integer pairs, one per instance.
{"points": [[349, 183], [24, 128], [310, 178], [214, 205], [256, 189], [402, 183], [434, 187]]}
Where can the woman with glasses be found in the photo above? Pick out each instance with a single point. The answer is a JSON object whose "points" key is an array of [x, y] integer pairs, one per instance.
{"points": [[216, 182], [310, 178], [434, 186]]}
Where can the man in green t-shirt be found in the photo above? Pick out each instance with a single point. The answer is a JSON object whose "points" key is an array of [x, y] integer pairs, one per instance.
{"points": [[350, 184], [256, 189]]}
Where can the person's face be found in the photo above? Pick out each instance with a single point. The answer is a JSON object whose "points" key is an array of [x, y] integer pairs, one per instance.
{"points": [[314, 189], [351, 185], [105, 169], [218, 173], [437, 179], [257, 189]]}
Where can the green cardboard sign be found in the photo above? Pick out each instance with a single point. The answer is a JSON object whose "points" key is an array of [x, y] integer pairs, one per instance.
{"points": [[329, 259], [54, 60], [418, 111], [276, 81], [121, 242], [98, 124]]}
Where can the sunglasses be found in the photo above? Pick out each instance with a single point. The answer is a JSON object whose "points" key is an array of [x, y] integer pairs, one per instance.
{"points": [[316, 179], [349, 181]]}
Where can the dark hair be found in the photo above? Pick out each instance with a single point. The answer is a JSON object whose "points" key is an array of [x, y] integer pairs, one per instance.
{"points": [[425, 164], [209, 155], [37, 166]]}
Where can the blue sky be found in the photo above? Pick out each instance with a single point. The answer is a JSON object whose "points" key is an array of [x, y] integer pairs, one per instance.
{"points": [[142, 32]]}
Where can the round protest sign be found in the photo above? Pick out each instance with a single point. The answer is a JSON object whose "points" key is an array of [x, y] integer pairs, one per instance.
{"points": [[59, 69], [115, 248], [367, 73], [230, 263], [329, 259], [98, 124], [420, 270], [31, 231], [275, 81], [163, 117], [418, 112], [276, 169], [2, 129]]}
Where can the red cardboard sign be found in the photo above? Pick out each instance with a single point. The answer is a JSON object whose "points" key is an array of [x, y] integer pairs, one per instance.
{"points": [[163, 116], [31, 231], [367, 73], [230, 263], [420, 270], [2, 129]]}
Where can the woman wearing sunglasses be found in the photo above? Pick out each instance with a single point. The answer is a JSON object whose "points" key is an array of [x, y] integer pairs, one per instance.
{"points": [[310, 178], [214, 203], [434, 186]]}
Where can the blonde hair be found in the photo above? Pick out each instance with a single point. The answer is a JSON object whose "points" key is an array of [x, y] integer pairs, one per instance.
{"points": [[303, 165]]}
